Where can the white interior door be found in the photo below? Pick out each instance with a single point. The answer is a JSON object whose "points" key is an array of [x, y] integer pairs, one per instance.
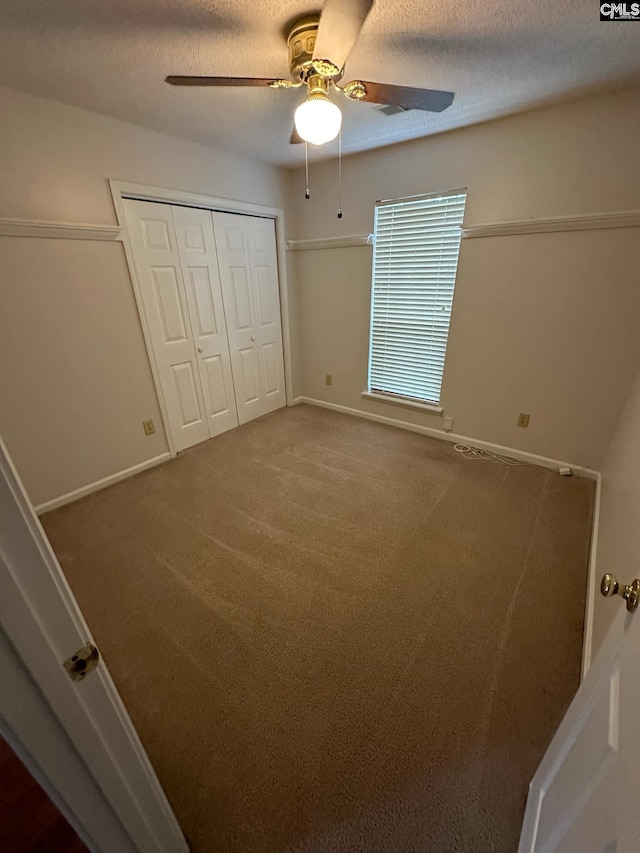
{"points": [[584, 797], [197, 250], [74, 736], [248, 265], [159, 272]]}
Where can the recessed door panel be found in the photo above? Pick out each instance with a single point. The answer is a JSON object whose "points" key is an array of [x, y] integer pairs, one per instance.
{"points": [[584, 832], [156, 235], [202, 292], [250, 381], [194, 238], [169, 303], [264, 291], [234, 238], [241, 301], [270, 368], [187, 394], [215, 390], [260, 241]]}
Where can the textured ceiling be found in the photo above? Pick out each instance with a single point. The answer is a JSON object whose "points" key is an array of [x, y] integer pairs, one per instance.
{"points": [[500, 57]]}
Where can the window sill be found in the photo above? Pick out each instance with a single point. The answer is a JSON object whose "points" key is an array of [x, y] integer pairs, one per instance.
{"points": [[399, 401]]}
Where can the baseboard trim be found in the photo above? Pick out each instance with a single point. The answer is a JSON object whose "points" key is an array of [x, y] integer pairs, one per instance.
{"points": [[525, 456], [76, 494], [592, 583]]}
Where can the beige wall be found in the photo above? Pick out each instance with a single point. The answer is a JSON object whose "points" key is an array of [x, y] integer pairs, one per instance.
{"points": [[545, 324], [619, 530], [75, 381]]}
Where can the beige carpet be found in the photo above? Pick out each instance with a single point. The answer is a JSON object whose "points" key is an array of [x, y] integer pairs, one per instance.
{"points": [[336, 636]]}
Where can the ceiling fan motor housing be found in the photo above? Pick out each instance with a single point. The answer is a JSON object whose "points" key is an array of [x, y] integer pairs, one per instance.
{"points": [[301, 43]]}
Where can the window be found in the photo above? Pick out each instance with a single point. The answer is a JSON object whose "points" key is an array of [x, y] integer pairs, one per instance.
{"points": [[417, 241]]}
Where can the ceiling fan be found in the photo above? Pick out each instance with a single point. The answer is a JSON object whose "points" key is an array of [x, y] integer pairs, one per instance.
{"points": [[318, 48]]}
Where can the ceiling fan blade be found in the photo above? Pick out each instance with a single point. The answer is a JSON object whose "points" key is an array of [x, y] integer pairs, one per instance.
{"points": [[407, 97], [219, 81], [340, 25], [296, 139]]}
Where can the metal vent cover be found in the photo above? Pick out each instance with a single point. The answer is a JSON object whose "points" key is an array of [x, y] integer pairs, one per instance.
{"points": [[390, 110]]}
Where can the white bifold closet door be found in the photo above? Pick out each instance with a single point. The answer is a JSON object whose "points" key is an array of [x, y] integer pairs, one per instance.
{"points": [[209, 380], [249, 273], [199, 262], [177, 269]]}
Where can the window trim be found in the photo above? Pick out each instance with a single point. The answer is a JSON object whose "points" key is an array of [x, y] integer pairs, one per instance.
{"points": [[421, 196], [405, 402]]}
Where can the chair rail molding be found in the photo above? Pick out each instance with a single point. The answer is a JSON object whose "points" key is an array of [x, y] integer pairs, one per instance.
{"points": [[58, 230], [585, 222], [330, 242]]}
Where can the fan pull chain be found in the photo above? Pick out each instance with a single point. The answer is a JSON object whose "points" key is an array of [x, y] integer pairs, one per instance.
{"points": [[340, 174], [307, 194]]}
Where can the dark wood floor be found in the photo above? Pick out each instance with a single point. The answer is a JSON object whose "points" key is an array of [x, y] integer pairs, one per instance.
{"points": [[29, 821]]}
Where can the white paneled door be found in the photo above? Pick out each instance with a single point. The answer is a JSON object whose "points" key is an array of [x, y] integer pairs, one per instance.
{"points": [[249, 274], [584, 797], [159, 271], [74, 736], [197, 250]]}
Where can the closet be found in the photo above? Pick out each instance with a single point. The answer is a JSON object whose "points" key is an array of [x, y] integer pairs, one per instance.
{"points": [[209, 286]]}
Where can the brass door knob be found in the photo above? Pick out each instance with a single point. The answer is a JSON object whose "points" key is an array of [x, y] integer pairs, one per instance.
{"points": [[631, 593]]}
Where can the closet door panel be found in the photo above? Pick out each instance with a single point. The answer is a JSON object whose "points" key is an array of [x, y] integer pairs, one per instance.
{"points": [[169, 303], [235, 275], [249, 376], [264, 297], [270, 366], [215, 389], [241, 318], [264, 265], [187, 393], [159, 273], [205, 313], [249, 274], [197, 250]]}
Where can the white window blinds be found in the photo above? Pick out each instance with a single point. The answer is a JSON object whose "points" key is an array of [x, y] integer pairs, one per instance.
{"points": [[417, 241]]}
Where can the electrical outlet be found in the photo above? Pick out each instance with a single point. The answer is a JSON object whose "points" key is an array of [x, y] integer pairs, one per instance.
{"points": [[447, 424], [148, 427], [328, 379], [523, 419]]}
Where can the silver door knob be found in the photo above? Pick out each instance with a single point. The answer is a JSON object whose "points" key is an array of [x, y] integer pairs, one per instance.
{"points": [[630, 592], [200, 349]]}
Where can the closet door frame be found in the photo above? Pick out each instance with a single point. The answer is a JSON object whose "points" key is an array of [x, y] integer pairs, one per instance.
{"points": [[121, 190]]}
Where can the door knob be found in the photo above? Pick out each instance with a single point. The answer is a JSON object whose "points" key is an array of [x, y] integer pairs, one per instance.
{"points": [[630, 593], [200, 349]]}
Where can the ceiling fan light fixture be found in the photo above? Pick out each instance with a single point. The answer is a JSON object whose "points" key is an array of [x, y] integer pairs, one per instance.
{"points": [[318, 119]]}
